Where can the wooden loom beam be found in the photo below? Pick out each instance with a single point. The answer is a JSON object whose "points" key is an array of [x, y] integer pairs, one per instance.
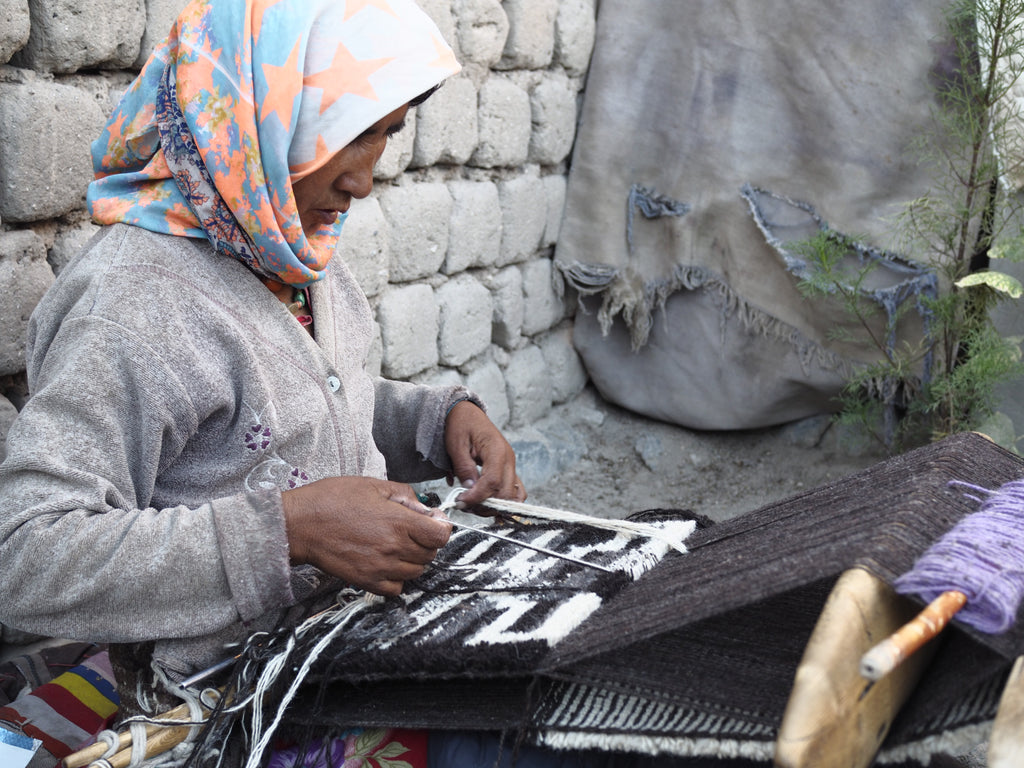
{"points": [[835, 718]]}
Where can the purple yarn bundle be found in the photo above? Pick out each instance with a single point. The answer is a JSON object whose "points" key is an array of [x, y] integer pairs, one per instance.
{"points": [[982, 556]]}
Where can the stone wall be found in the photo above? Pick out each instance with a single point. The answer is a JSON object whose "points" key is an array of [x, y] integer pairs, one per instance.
{"points": [[454, 247]]}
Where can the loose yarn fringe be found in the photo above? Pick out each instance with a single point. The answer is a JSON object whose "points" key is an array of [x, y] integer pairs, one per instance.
{"points": [[260, 736], [626, 527], [254, 683]]}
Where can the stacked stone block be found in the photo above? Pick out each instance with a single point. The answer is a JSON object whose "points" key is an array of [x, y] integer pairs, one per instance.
{"points": [[454, 247]]}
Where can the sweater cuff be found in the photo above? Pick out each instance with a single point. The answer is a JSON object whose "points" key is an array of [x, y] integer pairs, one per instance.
{"points": [[460, 395], [430, 443], [254, 550]]}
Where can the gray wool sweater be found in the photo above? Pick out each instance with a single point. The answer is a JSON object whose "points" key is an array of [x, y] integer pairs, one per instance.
{"points": [[173, 399]]}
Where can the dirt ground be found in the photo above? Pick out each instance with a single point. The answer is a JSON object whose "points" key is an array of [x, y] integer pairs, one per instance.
{"points": [[593, 457]]}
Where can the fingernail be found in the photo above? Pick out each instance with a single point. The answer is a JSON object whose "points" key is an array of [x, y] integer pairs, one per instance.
{"points": [[469, 483]]}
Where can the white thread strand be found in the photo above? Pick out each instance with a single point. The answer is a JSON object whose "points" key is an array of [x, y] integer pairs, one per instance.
{"points": [[139, 740], [113, 741], [262, 739], [178, 754], [628, 527]]}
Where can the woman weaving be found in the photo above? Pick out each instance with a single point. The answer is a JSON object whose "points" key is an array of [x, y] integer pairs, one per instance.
{"points": [[203, 449], [202, 431]]}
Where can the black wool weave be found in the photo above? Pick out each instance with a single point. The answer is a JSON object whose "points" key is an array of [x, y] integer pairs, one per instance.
{"points": [[697, 656]]}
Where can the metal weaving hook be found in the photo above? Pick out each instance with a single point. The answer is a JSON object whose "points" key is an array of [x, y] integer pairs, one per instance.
{"points": [[534, 547], [450, 503]]}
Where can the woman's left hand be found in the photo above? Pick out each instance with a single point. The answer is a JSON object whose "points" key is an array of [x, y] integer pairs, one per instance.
{"points": [[482, 459]]}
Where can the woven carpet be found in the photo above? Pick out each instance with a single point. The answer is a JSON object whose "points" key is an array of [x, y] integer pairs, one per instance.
{"points": [[697, 656]]}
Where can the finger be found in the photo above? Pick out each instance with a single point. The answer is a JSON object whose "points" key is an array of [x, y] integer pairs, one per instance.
{"points": [[467, 431], [389, 588], [392, 581], [518, 490], [421, 559], [498, 479], [406, 496], [511, 487], [407, 571], [430, 532], [473, 496], [467, 473]]}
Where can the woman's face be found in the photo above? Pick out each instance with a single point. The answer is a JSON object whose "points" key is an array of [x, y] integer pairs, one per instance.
{"points": [[321, 195]]}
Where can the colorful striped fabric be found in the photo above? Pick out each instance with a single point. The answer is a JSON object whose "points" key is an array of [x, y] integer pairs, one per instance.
{"points": [[67, 713]]}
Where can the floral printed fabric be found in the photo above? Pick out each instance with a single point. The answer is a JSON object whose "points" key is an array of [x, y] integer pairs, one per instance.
{"points": [[370, 748], [245, 97]]}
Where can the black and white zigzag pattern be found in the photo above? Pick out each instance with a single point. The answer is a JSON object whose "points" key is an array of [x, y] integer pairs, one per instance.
{"points": [[489, 607]]}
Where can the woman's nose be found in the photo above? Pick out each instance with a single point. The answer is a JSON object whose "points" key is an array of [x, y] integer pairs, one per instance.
{"points": [[358, 180]]}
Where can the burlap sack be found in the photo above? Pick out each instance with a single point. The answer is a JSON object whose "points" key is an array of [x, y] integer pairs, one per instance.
{"points": [[712, 134]]}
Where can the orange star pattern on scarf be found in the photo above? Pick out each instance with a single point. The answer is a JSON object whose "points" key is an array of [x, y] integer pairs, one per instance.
{"points": [[346, 75]]}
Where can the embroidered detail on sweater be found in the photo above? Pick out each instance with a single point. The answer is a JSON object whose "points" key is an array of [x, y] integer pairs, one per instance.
{"points": [[258, 437], [272, 471]]}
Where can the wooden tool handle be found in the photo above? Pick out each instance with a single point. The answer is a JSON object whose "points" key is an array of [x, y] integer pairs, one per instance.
{"points": [[163, 739], [890, 653], [96, 751]]}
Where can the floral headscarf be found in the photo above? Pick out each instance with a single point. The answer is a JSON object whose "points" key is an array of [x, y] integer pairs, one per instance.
{"points": [[244, 98]]}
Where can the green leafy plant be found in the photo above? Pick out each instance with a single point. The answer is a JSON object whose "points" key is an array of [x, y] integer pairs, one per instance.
{"points": [[945, 382], [911, 391]]}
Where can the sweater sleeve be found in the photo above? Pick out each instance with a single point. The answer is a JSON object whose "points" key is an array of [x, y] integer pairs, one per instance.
{"points": [[84, 554], [408, 427]]}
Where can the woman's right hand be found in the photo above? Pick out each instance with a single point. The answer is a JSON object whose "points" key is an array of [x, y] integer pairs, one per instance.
{"points": [[373, 534]]}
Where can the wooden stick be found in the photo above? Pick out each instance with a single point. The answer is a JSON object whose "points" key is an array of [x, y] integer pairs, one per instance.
{"points": [[96, 751], [164, 739], [891, 652]]}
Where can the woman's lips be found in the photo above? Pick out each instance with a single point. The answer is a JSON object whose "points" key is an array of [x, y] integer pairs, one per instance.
{"points": [[326, 217]]}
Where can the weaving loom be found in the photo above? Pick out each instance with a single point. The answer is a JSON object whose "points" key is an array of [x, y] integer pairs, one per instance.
{"points": [[695, 658]]}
